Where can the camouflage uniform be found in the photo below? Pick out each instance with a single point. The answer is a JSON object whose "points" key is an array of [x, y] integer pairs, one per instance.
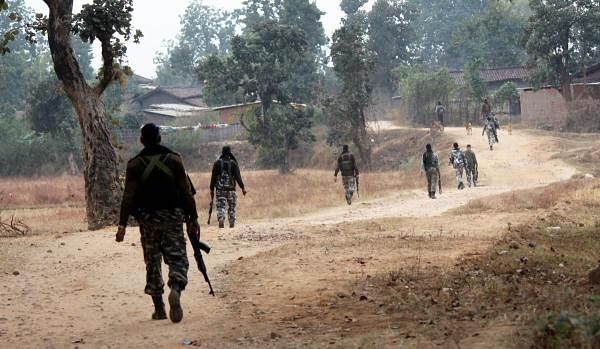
{"points": [[489, 128], [159, 195], [471, 167], [431, 167], [347, 166], [457, 159], [162, 236], [225, 176], [226, 201]]}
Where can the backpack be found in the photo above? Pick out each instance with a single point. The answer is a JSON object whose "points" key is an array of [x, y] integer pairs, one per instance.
{"points": [[429, 160], [439, 110], [457, 158], [347, 165], [226, 180]]}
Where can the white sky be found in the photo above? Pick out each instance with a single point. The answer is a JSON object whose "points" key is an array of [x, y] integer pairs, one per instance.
{"points": [[159, 21]]}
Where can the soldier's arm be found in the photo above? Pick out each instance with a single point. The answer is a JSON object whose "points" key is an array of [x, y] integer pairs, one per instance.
{"points": [[213, 177], [238, 177], [128, 200], [337, 169], [181, 179]]}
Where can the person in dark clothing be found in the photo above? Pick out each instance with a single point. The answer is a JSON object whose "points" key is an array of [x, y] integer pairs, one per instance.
{"points": [[225, 175], [159, 195], [439, 111], [431, 166], [346, 164]]}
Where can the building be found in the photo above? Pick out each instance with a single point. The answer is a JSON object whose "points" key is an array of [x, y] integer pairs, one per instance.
{"points": [[589, 75], [231, 114], [496, 77]]}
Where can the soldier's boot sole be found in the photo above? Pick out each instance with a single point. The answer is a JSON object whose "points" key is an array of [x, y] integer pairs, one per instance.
{"points": [[175, 310]]}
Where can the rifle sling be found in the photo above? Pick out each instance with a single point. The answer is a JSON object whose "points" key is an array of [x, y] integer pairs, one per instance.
{"points": [[155, 161]]}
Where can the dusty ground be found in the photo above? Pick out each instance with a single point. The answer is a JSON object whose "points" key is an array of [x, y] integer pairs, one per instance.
{"points": [[280, 283]]}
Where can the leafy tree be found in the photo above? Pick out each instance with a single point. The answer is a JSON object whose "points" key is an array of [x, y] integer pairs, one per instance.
{"points": [[49, 108], [109, 22], [490, 37], [561, 37], [390, 35], [421, 88], [353, 65], [474, 82], [507, 93], [259, 67], [205, 30], [436, 25]]}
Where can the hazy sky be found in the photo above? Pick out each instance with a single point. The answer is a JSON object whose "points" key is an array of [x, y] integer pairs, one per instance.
{"points": [[159, 21]]}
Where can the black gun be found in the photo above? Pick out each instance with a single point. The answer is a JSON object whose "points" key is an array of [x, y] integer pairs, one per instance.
{"points": [[357, 187], [439, 181], [210, 208], [199, 246]]}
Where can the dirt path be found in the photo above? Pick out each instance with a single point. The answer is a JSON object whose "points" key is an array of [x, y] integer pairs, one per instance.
{"points": [[83, 290]]}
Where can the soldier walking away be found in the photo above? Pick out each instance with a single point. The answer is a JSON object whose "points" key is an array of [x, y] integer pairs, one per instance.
{"points": [[159, 195], [457, 160], [471, 167], [431, 167], [486, 109], [346, 164], [439, 111], [489, 127], [225, 175]]}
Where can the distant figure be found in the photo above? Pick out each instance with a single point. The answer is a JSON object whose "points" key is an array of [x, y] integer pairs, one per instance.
{"points": [[489, 127], [225, 175], [471, 167], [439, 111], [431, 167], [457, 160], [486, 109], [159, 195], [346, 164], [469, 128]]}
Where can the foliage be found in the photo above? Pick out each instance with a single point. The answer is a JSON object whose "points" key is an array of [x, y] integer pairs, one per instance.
{"points": [[490, 37], [49, 109], [31, 153], [390, 35], [420, 89], [353, 65], [474, 82], [561, 37], [437, 24], [205, 30], [286, 128], [260, 67], [506, 93]]}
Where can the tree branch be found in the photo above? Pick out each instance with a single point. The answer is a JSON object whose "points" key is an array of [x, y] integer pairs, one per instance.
{"points": [[108, 71]]}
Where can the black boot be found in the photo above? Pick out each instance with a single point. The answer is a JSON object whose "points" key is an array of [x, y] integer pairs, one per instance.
{"points": [[159, 308], [175, 310], [221, 224]]}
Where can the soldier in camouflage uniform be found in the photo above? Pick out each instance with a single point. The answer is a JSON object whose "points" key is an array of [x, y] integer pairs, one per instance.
{"points": [[489, 128], [159, 195], [346, 164], [471, 166], [431, 167], [225, 175], [457, 160]]}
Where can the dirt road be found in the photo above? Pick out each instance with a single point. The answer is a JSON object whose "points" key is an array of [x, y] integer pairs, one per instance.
{"points": [[274, 279]]}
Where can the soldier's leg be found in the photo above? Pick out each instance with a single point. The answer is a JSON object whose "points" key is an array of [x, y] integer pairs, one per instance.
{"points": [[154, 281], [346, 182], [469, 176], [221, 203], [232, 207], [173, 249], [434, 183], [429, 181]]}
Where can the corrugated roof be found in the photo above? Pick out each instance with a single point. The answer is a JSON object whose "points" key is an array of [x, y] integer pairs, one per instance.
{"points": [[493, 75]]}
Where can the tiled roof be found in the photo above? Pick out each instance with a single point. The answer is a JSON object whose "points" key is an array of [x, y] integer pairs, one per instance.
{"points": [[493, 75]]}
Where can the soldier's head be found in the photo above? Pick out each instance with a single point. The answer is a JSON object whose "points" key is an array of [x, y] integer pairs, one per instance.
{"points": [[468, 147], [345, 148], [428, 147], [226, 151], [455, 145], [150, 135], [485, 100], [439, 103]]}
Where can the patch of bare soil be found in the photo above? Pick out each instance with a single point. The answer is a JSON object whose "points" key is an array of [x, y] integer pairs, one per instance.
{"points": [[369, 275]]}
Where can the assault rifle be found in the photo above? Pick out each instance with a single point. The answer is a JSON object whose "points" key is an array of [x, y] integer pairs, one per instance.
{"points": [[210, 208], [357, 187], [199, 246], [439, 181]]}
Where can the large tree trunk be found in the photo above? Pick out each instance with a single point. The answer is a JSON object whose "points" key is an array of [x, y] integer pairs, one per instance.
{"points": [[102, 188]]}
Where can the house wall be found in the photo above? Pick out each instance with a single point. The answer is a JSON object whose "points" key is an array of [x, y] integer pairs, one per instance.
{"points": [[232, 115], [547, 107]]}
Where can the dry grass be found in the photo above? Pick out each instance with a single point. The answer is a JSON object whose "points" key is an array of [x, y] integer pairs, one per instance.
{"points": [[578, 192], [56, 204]]}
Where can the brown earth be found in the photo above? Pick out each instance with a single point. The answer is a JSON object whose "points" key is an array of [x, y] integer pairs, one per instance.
{"points": [[290, 282]]}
